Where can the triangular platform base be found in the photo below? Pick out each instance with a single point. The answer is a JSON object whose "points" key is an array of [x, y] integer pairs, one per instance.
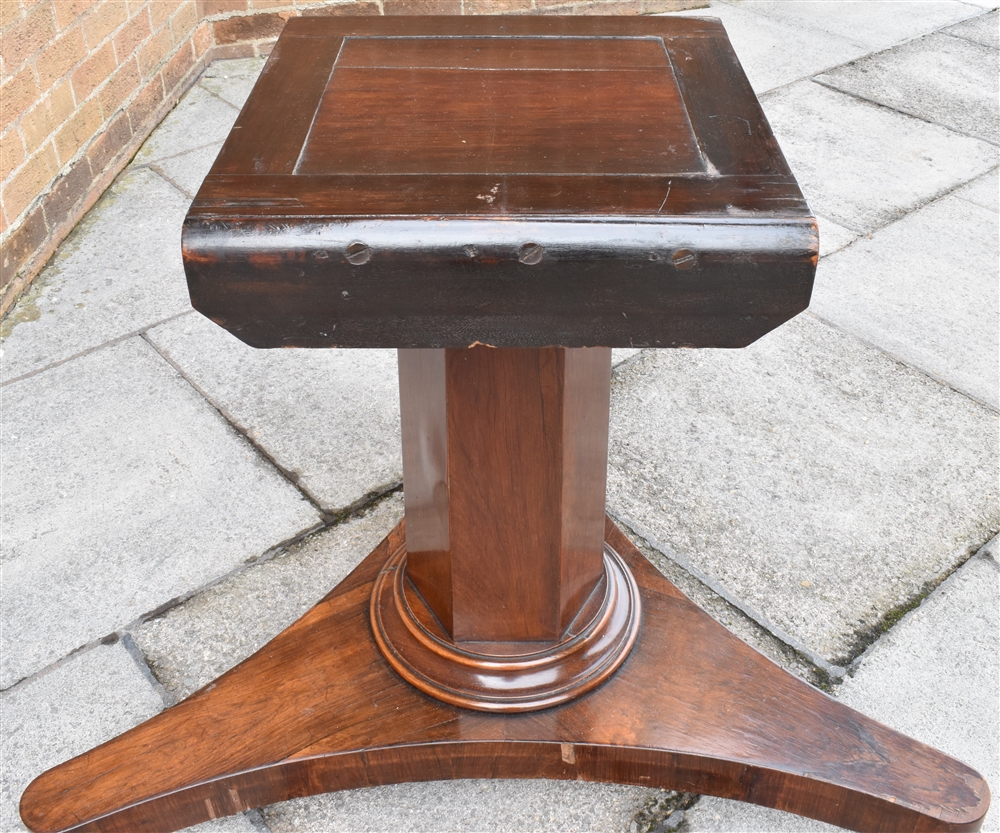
{"points": [[693, 708]]}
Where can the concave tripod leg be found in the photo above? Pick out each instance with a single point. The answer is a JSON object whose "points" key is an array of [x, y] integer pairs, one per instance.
{"points": [[318, 709]]}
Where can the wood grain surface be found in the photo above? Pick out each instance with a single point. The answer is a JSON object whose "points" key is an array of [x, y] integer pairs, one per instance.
{"points": [[693, 708], [387, 176]]}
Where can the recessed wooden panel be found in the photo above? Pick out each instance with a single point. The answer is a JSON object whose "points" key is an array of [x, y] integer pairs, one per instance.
{"points": [[501, 105]]}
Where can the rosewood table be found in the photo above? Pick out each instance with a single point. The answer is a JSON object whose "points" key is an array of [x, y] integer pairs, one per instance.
{"points": [[503, 200]]}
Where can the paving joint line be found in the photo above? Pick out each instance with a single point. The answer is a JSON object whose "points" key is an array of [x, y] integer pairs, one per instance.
{"points": [[982, 553], [858, 97], [142, 661], [110, 343], [290, 476], [835, 673], [212, 92], [154, 167], [898, 360]]}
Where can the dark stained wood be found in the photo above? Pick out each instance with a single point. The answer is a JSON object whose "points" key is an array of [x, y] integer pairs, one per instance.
{"points": [[443, 147], [733, 200], [724, 721], [501, 105], [538, 183], [487, 52], [504, 471], [508, 677], [267, 139]]}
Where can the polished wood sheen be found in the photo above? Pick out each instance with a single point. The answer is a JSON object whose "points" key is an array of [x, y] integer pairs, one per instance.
{"points": [[693, 708], [518, 182], [503, 200]]}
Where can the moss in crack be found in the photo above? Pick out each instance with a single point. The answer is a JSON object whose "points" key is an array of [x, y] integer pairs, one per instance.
{"points": [[867, 637], [663, 812]]}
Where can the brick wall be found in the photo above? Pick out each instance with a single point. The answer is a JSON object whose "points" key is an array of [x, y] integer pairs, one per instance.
{"points": [[84, 82]]}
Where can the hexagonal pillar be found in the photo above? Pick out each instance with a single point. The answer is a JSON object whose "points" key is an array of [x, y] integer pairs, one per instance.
{"points": [[504, 472]]}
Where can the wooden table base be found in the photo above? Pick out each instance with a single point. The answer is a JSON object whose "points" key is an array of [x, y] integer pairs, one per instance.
{"points": [[692, 708]]}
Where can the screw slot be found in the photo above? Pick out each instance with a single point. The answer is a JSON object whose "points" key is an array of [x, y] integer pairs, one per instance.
{"points": [[684, 259], [358, 253], [531, 253]]}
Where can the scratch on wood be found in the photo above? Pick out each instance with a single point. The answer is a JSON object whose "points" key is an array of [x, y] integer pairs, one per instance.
{"points": [[568, 752]]}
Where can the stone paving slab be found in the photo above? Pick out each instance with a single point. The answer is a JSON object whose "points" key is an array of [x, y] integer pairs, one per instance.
{"points": [[92, 698], [943, 79], [868, 24], [983, 191], [188, 170], [460, 806], [192, 644], [862, 165], [200, 118], [925, 289], [118, 272], [772, 53], [123, 489], [328, 417], [832, 237], [232, 80], [815, 478], [933, 677], [984, 29]]}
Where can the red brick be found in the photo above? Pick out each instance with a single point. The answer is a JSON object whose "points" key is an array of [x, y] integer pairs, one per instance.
{"points": [[59, 57], [26, 37], [155, 50], [30, 180], [233, 50], [248, 27], [68, 11], [46, 117], [210, 7], [22, 244], [111, 141], [17, 94], [283, 4], [160, 11], [93, 72], [79, 130], [202, 39], [177, 68], [11, 153], [361, 8], [120, 86], [145, 105], [134, 33], [103, 20], [184, 21], [67, 192], [401, 7], [10, 13], [496, 6], [622, 7], [656, 6]]}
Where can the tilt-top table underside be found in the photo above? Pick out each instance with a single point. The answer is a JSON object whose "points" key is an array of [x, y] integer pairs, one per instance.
{"points": [[503, 200]]}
